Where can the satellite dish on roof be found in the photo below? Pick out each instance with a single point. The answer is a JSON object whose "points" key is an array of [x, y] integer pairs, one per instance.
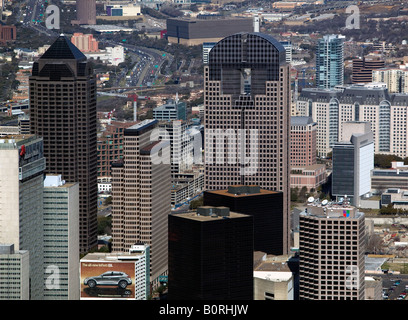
{"points": [[325, 201], [310, 199]]}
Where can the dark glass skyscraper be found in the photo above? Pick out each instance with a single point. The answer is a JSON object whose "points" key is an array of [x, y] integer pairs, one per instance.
{"points": [[264, 205], [210, 255], [247, 116], [63, 112]]}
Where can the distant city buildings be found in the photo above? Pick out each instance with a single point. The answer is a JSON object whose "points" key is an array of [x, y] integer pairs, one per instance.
{"points": [[86, 12], [210, 255], [333, 241], [123, 10], [330, 61], [364, 68], [206, 28], [386, 112], [7, 33], [85, 42], [172, 110], [396, 79]]}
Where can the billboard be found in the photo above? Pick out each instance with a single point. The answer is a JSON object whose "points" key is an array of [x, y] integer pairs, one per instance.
{"points": [[107, 280]]}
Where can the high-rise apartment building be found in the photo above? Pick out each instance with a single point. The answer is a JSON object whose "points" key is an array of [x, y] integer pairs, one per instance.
{"points": [[247, 116], [302, 141], [353, 160], [141, 198], [86, 12], [332, 241], [61, 238], [63, 112], [265, 206], [396, 79], [21, 197], [14, 273], [85, 42], [330, 61], [387, 114], [210, 255]]}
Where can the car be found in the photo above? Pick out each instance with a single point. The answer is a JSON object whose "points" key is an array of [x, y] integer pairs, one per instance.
{"points": [[109, 278]]}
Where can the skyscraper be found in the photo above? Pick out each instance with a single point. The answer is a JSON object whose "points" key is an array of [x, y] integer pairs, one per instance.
{"points": [[141, 198], [86, 12], [61, 238], [21, 197], [63, 112], [210, 255], [332, 242], [247, 116], [353, 160], [330, 61], [265, 206]]}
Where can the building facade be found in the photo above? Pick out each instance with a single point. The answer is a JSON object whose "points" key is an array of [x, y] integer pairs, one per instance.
{"points": [[396, 79], [302, 142], [265, 206], [14, 273], [63, 112], [172, 110], [210, 255], [364, 68], [61, 238], [387, 113], [21, 197], [85, 42], [141, 197], [86, 12], [330, 61], [332, 243]]}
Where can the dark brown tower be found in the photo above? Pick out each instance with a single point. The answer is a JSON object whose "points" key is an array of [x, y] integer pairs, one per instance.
{"points": [[63, 112]]}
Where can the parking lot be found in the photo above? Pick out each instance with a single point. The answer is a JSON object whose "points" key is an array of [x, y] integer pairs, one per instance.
{"points": [[395, 287]]}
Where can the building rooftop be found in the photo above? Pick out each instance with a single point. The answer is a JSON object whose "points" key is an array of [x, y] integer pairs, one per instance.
{"points": [[208, 213], [63, 49], [300, 121], [243, 191]]}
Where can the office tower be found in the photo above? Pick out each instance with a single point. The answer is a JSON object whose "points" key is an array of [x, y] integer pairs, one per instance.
{"points": [[210, 255], [332, 242], [330, 61], [207, 46], [110, 146], [396, 79], [21, 197], [86, 12], [363, 68], [181, 144], [172, 110], [353, 160], [247, 116], [85, 42], [61, 238], [141, 197], [302, 141], [14, 273], [7, 33], [265, 206], [288, 49], [63, 112], [127, 272]]}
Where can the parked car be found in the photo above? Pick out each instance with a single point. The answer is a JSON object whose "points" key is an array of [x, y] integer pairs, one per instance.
{"points": [[110, 278]]}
